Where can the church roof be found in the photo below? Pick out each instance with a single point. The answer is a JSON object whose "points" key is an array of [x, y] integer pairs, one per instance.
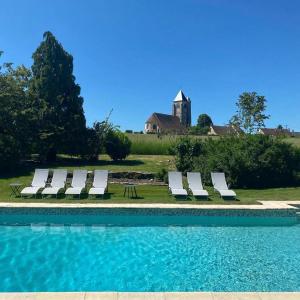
{"points": [[180, 97], [167, 122]]}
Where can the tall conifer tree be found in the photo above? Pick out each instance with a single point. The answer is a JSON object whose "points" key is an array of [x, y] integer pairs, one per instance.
{"points": [[61, 117]]}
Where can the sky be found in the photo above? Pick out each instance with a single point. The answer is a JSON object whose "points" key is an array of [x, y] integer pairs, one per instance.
{"points": [[133, 56]]}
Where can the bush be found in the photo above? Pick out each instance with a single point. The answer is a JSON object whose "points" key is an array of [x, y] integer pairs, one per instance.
{"points": [[92, 147], [117, 145], [185, 151], [162, 175], [251, 161]]}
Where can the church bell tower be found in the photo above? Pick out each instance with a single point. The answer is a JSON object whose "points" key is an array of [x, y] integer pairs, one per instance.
{"points": [[182, 109]]}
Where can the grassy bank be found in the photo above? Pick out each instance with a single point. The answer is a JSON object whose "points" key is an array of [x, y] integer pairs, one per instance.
{"points": [[151, 144]]}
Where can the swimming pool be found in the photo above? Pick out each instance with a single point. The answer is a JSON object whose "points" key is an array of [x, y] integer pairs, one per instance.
{"points": [[249, 256]]}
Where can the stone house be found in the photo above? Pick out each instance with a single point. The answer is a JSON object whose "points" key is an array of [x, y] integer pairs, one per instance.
{"points": [[224, 130]]}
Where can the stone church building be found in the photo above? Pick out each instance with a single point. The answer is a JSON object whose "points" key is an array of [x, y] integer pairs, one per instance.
{"points": [[177, 122]]}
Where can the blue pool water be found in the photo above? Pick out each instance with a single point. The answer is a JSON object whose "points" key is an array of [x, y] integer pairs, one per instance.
{"points": [[149, 258]]}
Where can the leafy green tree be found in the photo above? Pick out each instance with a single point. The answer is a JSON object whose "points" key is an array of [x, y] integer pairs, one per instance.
{"points": [[204, 121], [250, 116], [16, 115], [103, 129], [117, 145], [202, 127], [61, 121]]}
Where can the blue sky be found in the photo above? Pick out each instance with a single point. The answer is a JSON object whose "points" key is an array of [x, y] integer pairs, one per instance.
{"points": [[133, 56]]}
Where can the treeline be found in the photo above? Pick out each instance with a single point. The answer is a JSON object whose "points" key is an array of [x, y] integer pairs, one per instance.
{"points": [[41, 112]]}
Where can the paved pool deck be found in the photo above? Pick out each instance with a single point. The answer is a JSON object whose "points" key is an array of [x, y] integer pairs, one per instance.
{"points": [[261, 206], [151, 296]]}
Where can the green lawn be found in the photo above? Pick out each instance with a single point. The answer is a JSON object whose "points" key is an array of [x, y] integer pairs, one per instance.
{"points": [[159, 194], [146, 193]]}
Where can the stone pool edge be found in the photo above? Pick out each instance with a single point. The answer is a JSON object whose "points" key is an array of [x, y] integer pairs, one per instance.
{"points": [[152, 296], [264, 205]]}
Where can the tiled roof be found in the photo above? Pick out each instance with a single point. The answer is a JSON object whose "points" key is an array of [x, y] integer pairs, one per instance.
{"points": [[165, 122], [275, 131], [224, 130]]}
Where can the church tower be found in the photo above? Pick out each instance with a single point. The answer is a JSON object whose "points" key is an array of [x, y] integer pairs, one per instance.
{"points": [[182, 109]]}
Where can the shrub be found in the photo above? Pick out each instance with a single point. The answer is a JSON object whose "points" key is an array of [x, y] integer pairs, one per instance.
{"points": [[92, 147], [162, 175], [252, 161], [117, 145], [185, 151]]}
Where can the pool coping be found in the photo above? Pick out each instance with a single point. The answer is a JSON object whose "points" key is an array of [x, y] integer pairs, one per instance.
{"points": [[152, 296], [264, 205]]}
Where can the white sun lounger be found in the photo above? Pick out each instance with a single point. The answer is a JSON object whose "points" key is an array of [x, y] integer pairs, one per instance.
{"points": [[195, 184], [175, 184], [220, 185], [58, 182], [99, 183], [38, 182], [78, 183]]}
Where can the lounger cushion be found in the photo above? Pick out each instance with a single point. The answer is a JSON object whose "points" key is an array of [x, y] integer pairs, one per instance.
{"points": [[227, 193], [179, 192], [51, 190], [74, 190], [199, 192], [31, 190], [97, 191]]}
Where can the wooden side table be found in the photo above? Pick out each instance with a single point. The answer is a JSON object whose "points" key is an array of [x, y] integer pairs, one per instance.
{"points": [[15, 189], [130, 189]]}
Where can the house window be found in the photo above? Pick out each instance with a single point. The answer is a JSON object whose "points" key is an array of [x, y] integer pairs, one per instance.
{"points": [[154, 127]]}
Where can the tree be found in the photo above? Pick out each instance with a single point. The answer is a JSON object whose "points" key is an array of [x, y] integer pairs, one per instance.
{"points": [[117, 145], [204, 121], [250, 115], [61, 121], [202, 127], [16, 115]]}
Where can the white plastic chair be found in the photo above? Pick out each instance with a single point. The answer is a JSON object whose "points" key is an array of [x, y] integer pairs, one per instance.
{"points": [[220, 185], [99, 186]]}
